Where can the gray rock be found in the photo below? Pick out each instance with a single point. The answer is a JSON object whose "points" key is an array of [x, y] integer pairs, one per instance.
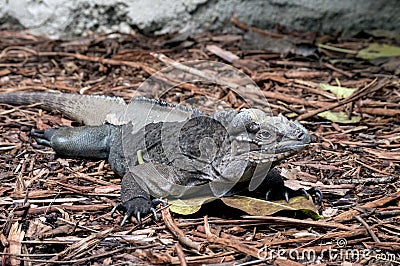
{"points": [[57, 18]]}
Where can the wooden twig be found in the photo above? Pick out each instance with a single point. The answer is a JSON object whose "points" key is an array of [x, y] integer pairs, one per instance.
{"points": [[364, 223], [241, 25], [15, 237], [180, 254], [54, 208], [237, 245], [370, 88], [373, 204], [178, 233], [82, 247], [298, 222]]}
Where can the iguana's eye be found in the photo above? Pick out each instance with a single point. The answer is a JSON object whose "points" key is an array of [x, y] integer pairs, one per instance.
{"points": [[301, 135], [253, 127], [264, 135]]}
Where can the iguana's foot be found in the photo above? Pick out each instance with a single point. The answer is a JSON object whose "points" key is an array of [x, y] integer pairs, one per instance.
{"points": [[287, 193], [43, 136], [274, 188], [138, 207]]}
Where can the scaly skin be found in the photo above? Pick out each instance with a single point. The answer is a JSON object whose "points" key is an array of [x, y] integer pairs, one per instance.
{"points": [[90, 110], [184, 155]]}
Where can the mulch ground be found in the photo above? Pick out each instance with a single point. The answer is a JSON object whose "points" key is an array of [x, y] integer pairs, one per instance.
{"points": [[57, 210]]}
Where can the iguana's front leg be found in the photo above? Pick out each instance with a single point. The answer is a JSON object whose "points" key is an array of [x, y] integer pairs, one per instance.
{"points": [[273, 187], [135, 201], [94, 142]]}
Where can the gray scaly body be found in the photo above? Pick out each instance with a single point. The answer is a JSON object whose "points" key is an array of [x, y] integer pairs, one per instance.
{"points": [[162, 150]]}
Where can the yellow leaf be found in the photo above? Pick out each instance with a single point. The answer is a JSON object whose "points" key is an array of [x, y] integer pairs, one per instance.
{"points": [[341, 92], [188, 206], [249, 205], [376, 50], [339, 117], [254, 206], [184, 210]]}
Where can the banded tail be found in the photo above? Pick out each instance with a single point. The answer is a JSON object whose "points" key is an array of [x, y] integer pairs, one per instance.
{"points": [[90, 110]]}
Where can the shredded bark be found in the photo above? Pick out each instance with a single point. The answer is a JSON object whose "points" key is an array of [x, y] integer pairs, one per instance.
{"points": [[57, 210]]}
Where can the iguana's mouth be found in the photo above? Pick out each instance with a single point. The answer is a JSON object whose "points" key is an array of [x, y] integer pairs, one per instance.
{"points": [[273, 152]]}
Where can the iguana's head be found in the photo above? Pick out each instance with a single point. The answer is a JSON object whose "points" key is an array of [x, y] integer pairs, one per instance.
{"points": [[260, 138]]}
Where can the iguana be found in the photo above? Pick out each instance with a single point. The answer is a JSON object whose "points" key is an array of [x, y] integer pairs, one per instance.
{"points": [[162, 150]]}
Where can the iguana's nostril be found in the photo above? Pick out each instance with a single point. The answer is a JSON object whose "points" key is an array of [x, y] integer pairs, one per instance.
{"points": [[253, 127]]}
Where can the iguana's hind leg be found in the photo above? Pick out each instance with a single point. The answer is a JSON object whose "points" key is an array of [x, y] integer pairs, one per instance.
{"points": [[86, 141], [135, 201]]}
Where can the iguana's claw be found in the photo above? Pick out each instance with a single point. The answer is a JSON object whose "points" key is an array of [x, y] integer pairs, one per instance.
{"points": [[156, 202], [127, 215], [154, 214], [43, 136], [267, 194], [136, 207], [288, 193], [317, 194], [305, 193], [139, 220]]}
